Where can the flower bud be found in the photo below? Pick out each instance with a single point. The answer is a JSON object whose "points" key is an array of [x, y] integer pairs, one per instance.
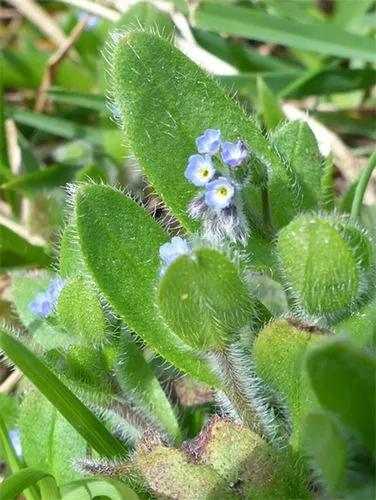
{"points": [[327, 264]]}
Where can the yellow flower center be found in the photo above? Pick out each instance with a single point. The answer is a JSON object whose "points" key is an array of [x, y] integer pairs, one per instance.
{"points": [[223, 191]]}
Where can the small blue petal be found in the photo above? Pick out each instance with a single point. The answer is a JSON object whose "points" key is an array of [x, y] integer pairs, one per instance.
{"points": [[92, 22], [209, 142], [219, 193], [200, 169], [14, 436], [41, 306], [233, 154], [54, 290], [116, 111], [171, 251], [44, 302]]}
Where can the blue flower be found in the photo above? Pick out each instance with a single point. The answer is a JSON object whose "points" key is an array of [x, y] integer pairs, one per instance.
{"points": [[219, 193], [92, 23], [41, 305], [209, 142], [115, 111], [233, 154], [14, 436], [53, 291], [171, 251], [200, 169], [45, 302]]}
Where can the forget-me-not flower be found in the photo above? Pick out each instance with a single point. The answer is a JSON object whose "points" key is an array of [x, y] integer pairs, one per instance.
{"points": [[233, 154], [169, 252], [219, 193], [15, 439], [200, 169], [53, 291], [92, 23], [209, 142], [42, 305], [45, 302]]}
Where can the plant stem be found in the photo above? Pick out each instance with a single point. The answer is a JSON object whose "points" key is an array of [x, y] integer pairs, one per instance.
{"points": [[362, 186], [226, 368]]}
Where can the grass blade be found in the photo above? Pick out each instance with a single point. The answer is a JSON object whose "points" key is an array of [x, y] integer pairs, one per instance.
{"points": [[81, 100], [17, 483], [98, 488], [249, 23], [56, 126]]}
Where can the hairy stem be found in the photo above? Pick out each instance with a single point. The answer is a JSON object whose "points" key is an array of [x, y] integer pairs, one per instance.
{"points": [[230, 374], [362, 186]]}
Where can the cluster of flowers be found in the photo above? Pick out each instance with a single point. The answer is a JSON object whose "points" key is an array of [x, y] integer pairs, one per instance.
{"points": [[201, 171], [225, 217], [45, 302]]}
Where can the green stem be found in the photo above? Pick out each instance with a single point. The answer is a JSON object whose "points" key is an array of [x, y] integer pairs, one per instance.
{"points": [[362, 186], [227, 371]]}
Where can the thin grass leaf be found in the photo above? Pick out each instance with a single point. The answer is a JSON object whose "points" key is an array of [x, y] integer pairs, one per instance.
{"points": [[249, 23], [32, 184], [271, 112], [86, 489], [81, 100], [14, 485], [77, 414], [56, 126]]}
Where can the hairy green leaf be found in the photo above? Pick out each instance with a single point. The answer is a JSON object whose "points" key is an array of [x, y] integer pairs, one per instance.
{"points": [[204, 300], [343, 378], [320, 434], [166, 101], [120, 243], [71, 261], [298, 147], [278, 355], [80, 311], [140, 384]]}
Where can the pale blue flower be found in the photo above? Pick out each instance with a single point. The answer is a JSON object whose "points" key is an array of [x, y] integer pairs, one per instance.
{"points": [[115, 110], [169, 252], [92, 22], [233, 154], [219, 193], [42, 305], [45, 302], [200, 169], [14, 436], [53, 291], [209, 142]]}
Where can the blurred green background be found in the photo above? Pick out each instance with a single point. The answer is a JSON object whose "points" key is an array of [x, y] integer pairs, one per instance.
{"points": [[281, 59]]}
